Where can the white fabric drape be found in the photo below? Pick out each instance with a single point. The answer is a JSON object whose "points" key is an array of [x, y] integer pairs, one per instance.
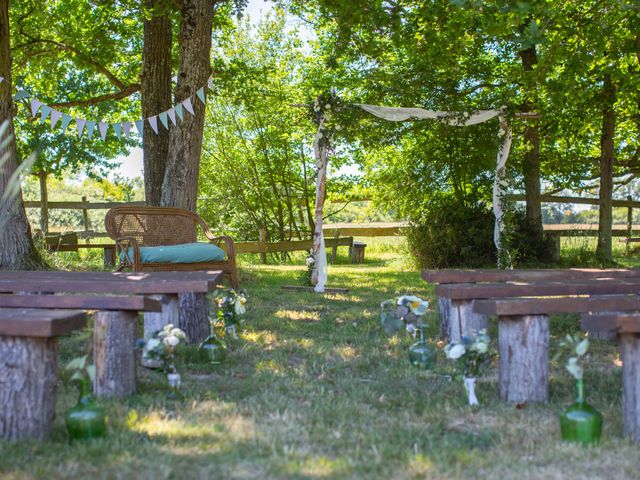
{"points": [[399, 114], [319, 251]]}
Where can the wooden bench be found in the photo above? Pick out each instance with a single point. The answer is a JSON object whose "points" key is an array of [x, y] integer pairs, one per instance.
{"points": [[29, 367], [114, 326], [627, 326], [523, 337]]}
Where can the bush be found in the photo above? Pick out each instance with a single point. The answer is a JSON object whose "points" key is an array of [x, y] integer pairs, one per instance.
{"points": [[453, 233], [526, 245]]}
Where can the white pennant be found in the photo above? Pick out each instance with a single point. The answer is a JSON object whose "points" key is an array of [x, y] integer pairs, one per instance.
{"points": [[80, 125], [55, 116], [103, 126], [1, 79], [153, 121], [188, 106], [35, 105], [210, 83], [140, 126], [172, 115], [126, 128]]}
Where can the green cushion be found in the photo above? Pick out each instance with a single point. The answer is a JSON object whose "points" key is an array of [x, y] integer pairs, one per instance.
{"points": [[182, 253]]}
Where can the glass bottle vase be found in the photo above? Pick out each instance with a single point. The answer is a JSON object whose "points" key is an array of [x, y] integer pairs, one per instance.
{"points": [[420, 353], [86, 419], [580, 422], [213, 349]]}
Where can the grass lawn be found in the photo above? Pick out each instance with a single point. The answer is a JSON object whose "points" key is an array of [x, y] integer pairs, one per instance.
{"points": [[313, 389]]}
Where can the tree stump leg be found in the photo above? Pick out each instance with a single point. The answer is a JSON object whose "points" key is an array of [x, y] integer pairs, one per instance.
{"points": [[523, 342], [155, 321], [114, 337], [193, 316], [463, 320], [28, 379], [630, 353], [444, 306]]}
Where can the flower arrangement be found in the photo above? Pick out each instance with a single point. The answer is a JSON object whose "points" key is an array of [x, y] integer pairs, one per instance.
{"points": [[305, 276], [470, 353], [163, 347], [578, 347], [323, 113], [405, 311], [230, 309]]}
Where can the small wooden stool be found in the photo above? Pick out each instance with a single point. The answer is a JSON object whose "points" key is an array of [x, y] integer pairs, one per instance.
{"points": [[356, 252]]}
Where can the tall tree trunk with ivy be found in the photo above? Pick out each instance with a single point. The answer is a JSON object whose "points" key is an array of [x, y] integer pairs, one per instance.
{"points": [[16, 245], [156, 94], [531, 160], [605, 216], [180, 186]]}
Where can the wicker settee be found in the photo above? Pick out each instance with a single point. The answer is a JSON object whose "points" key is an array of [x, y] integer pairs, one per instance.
{"points": [[134, 229]]}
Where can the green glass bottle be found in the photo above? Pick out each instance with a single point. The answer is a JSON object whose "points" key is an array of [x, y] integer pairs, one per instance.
{"points": [[213, 349], [86, 419], [580, 422], [420, 353]]}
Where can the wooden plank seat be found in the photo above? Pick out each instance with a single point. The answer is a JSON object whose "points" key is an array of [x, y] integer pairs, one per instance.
{"points": [[627, 327], [114, 329], [523, 337], [29, 368]]}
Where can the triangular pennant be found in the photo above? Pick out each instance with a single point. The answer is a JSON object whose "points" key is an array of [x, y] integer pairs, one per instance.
{"points": [[45, 110], [179, 111], [172, 115], [91, 126], [200, 94], [1, 79], [80, 125], [103, 126], [139, 126], [164, 120], [117, 127], [126, 128], [55, 116], [22, 94], [210, 83], [66, 120], [153, 121], [35, 105], [188, 106]]}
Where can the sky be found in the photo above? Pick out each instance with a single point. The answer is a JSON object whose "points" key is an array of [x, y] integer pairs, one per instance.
{"points": [[132, 164]]}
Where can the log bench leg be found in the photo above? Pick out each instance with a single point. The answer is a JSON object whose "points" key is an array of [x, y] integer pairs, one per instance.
{"points": [[444, 305], [630, 353], [155, 321], [28, 378], [523, 343], [114, 337], [187, 311], [463, 320]]}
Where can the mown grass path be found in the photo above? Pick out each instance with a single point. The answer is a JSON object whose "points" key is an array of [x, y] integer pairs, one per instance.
{"points": [[313, 389]]}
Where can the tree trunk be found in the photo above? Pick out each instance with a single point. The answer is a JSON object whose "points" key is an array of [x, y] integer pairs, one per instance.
{"points": [[523, 342], [531, 161], [180, 186], [194, 316], [44, 203], [16, 246], [28, 379], [605, 217], [156, 96], [114, 337], [630, 353]]}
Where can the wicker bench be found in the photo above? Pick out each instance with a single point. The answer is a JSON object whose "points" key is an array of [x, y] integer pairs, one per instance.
{"points": [[133, 228]]}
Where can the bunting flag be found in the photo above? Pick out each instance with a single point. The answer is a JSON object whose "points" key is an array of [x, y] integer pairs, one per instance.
{"points": [[66, 120], [153, 121], [140, 126], [188, 106], [62, 120], [102, 126], [91, 126], [200, 94], [55, 116], [80, 125], [164, 120], [35, 105], [1, 79]]}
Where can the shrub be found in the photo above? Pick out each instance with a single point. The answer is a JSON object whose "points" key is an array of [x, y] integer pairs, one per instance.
{"points": [[453, 233], [526, 245]]}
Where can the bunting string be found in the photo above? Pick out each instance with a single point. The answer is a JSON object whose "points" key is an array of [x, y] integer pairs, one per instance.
{"points": [[61, 120]]}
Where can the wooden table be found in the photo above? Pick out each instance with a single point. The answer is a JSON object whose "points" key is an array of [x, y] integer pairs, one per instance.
{"points": [[114, 330], [28, 368]]}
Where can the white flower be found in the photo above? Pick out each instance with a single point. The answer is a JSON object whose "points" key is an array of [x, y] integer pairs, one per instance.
{"points": [[171, 341], [574, 369], [411, 329], [239, 308], [582, 347], [338, 127], [455, 351], [480, 347], [417, 305], [327, 106], [310, 261], [176, 332]]}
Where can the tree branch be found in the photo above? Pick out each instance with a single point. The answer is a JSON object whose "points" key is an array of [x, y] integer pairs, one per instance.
{"points": [[125, 92]]}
